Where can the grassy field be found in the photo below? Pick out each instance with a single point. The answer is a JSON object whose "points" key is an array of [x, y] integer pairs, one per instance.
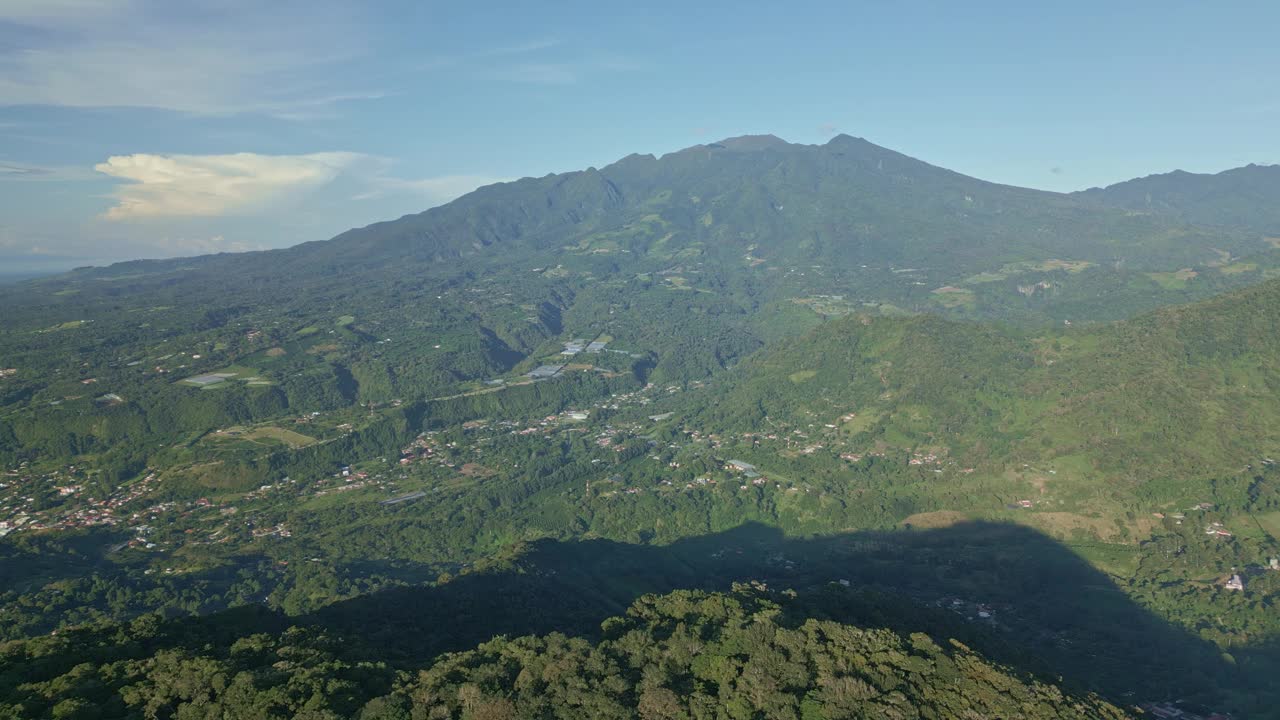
{"points": [[1175, 280], [68, 325], [1011, 269], [1238, 268], [1269, 523], [267, 432], [954, 297]]}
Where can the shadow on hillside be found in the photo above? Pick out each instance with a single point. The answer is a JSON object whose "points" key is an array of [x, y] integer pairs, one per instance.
{"points": [[1014, 594], [31, 560]]}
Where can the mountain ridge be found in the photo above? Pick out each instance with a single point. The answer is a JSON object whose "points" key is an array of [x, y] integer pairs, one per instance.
{"points": [[1245, 196], [591, 190]]}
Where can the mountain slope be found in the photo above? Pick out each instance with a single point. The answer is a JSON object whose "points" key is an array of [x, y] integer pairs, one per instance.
{"points": [[842, 205], [1245, 197], [1182, 393], [846, 202]]}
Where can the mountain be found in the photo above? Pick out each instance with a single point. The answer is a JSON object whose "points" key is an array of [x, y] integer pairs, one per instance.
{"points": [[843, 203], [868, 220], [1246, 197], [689, 262]]}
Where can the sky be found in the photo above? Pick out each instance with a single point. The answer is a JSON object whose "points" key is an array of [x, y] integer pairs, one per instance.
{"points": [[151, 128]]}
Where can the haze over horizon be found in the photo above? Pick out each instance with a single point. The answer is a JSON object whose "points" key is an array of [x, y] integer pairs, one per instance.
{"points": [[131, 128]]}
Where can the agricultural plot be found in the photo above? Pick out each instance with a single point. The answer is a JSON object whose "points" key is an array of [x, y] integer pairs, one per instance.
{"points": [[1176, 280], [1018, 268], [267, 434]]}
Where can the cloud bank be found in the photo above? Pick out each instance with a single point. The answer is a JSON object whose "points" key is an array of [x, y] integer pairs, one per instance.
{"points": [[211, 185]]}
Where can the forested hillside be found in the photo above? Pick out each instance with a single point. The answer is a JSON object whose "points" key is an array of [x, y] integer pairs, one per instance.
{"points": [[1183, 392], [1246, 197], [689, 654]]}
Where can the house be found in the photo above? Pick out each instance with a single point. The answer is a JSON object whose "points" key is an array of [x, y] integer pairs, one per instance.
{"points": [[596, 347], [1235, 583]]}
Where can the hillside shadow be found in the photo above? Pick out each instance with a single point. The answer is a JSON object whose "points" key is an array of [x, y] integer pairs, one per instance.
{"points": [[1008, 591], [31, 560]]}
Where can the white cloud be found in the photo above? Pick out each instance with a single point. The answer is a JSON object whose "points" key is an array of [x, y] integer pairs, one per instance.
{"points": [[210, 185], [186, 204], [190, 186]]}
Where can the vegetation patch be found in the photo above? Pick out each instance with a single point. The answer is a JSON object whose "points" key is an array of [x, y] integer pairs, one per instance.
{"points": [[954, 297], [266, 432], [1176, 280], [1017, 268], [1069, 525], [1238, 268], [935, 519], [1269, 523], [68, 325], [476, 470]]}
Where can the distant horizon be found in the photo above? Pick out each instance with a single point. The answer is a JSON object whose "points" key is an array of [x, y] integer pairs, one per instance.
{"points": [[22, 267], [145, 129]]}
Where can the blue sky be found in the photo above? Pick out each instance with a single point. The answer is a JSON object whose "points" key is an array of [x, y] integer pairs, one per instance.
{"points": [[144, 128]]}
